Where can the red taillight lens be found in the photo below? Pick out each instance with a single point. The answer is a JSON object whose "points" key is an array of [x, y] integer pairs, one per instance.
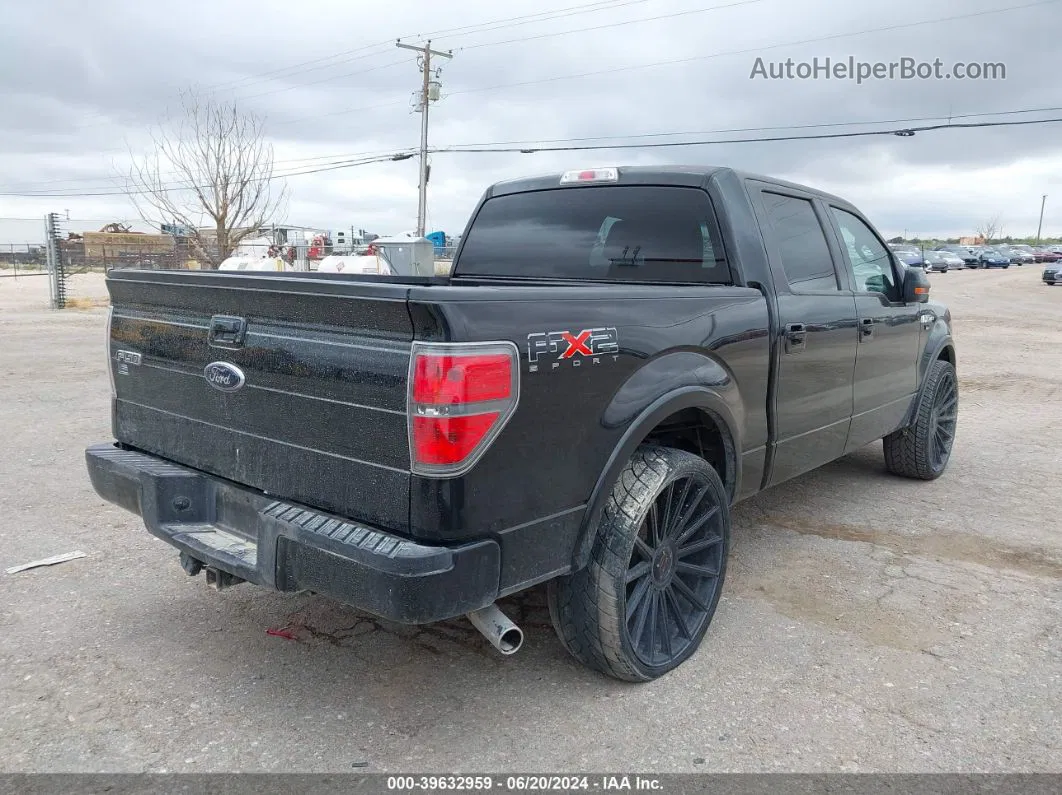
{"points": [[440, 380], [449, 440], [460, 397]]}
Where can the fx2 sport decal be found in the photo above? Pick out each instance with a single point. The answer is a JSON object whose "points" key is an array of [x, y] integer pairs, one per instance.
{"points": [[557, 348]]}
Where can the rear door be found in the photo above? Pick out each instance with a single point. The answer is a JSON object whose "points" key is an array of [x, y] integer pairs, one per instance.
{"points": [[292, 385], [817, 319], [886, 371]]}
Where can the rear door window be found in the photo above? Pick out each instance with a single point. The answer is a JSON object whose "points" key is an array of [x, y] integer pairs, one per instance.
{"points": [[617, 232], [801, 243]]}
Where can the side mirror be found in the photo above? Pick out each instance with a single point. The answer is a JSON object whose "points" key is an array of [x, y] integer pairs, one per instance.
{"points": [[915, 286]]}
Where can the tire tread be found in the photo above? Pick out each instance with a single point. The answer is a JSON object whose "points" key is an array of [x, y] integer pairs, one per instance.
{"points": [[584, 606], [907, 451]]}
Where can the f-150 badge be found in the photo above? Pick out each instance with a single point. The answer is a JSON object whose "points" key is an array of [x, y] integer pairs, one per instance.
{"points": [[126, 358], [568, 347]]}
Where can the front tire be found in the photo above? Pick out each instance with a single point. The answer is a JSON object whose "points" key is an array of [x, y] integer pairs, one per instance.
{"points": [[642, 605], [923, 450]]}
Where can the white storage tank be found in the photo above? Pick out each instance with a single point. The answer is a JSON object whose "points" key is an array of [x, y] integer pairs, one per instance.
{"points": [[353, 263]]}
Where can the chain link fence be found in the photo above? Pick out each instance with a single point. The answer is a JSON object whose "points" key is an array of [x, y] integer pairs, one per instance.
{"points": [[23, 259], [77, 254]]}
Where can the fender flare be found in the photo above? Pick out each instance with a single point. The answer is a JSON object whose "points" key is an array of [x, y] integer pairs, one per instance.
{"points": [[661, 408], [932, 353]]}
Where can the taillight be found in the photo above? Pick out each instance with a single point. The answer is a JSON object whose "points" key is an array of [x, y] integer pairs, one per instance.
{"points": [[461, 395]]}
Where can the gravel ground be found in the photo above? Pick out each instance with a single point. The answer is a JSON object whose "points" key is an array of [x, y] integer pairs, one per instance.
{"points": [[868, 623]]}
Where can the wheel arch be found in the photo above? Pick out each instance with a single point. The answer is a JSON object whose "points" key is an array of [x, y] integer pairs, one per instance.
{"points": [[718, 420], [940, 347]]}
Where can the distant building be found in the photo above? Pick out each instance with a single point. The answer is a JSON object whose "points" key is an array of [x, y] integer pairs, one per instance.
{"points": [[971, 241], [104, 245]]}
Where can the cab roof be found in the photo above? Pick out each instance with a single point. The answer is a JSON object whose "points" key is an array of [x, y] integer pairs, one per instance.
{"points": [[678, 175]]}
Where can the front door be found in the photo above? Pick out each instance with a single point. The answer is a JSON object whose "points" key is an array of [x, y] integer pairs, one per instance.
{"points": [[886, 370]]}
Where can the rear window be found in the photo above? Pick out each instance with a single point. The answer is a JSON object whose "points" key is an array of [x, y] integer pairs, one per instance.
{"points": [[616, 232]]}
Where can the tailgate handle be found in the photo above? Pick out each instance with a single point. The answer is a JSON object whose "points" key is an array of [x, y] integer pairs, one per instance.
{"points": [[227, 330]]}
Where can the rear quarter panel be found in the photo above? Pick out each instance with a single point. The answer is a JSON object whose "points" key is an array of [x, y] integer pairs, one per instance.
{"points": [[573, 412]]}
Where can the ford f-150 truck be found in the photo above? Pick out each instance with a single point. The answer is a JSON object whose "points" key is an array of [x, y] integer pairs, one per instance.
{"points": [[617, 357]]}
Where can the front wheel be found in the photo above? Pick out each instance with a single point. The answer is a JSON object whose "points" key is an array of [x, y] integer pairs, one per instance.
{"points": [[642, 605], [923, 449]]}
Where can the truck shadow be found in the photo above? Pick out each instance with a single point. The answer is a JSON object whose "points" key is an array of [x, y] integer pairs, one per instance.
{"points": [[255, 631], [321, 620]]}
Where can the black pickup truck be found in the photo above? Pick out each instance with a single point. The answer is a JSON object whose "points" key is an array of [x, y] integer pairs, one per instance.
{"points": [[616, 358]]}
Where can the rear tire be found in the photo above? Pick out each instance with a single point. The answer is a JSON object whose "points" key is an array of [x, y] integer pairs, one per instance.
{"points": [[643, 603], [923, 449]]}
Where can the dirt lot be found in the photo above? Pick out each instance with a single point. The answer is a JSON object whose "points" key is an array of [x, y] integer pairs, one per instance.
{"points": [[868, 623]]}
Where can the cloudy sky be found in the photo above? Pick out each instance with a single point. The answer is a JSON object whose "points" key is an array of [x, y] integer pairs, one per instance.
{"points": [[82, 81]]}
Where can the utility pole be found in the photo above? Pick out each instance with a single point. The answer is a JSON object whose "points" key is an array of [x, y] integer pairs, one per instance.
{"points": [[429, 93], [1040, 227]]}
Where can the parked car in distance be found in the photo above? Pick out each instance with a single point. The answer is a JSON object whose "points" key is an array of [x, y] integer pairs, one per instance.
{"points": [[967, 254], [1047, 254], [1016, 255], [1052, 273], [941, 261], [908, 255], [993, 258], [1025, 248]]}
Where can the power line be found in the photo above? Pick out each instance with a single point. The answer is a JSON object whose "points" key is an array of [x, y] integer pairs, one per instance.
{"points": [[572, 11], [116, 177], [530, 19], [323, 80], [188, 186], [493, 145], [902, 131], [283, 89], [464, 30], [898, 131], [821, 125], [673, 61], [263, 77], [709, 56], [688, 12], [345, 112], [541, 16], [510, 41]]}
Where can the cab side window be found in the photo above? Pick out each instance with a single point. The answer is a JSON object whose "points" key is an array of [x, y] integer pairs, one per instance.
{"points": [[871, 261], [801, 243]]}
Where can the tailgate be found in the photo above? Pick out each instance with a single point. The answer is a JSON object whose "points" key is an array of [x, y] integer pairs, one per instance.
{"points": [[319, 415]]}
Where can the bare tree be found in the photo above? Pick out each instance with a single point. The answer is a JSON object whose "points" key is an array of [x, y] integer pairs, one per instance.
{"points": [[988, 230], [210, 171]]}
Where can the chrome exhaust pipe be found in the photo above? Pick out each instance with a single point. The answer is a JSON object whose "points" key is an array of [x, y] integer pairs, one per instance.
{"points": [[496, 627]]}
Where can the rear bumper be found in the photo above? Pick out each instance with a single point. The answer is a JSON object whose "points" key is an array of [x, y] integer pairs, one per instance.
{"points": [[287, 547]]}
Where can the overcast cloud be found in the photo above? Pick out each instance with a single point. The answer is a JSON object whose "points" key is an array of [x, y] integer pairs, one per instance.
{"points": [[82, 80]]}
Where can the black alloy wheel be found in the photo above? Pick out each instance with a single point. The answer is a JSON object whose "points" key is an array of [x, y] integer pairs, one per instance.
{"points": [[673, 572]]}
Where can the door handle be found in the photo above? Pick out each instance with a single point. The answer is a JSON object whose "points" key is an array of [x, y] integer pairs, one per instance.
{"points": [[796, 337], [226, 330], [866, 328]]}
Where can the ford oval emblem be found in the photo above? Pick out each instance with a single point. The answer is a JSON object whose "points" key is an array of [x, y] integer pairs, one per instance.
{"points": [[224, 376]]}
